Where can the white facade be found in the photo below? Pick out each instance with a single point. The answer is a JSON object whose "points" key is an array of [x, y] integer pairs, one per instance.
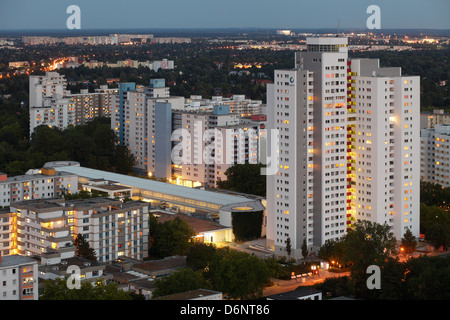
{"points": [[6, 229], [36, 184], [289, 210], [142, 118], [41, 227], [18, 278], [386, 155], [347, 131], [112, 228], [435, 155], [237, 103], [52, 105], [139, 122]]}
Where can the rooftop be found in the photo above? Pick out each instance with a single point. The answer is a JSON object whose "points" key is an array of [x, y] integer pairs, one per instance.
{"points": [[156, 266], [189, 295], [28, 177], [156, 186], [198, 225], [61, 267], [15, 260], [295, 294]]}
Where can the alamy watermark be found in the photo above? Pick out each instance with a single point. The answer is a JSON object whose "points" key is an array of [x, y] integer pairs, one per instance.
{"points": [[74, 20], [227, 146], [374, 280], [374, 21], [73, 281]]}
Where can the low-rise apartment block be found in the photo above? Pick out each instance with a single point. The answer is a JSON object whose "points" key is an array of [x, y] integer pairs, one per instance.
{"points": [[18, 278], [111, 227], [36, 184]]}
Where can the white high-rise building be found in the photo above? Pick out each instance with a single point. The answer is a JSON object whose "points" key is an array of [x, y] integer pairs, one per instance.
{"points": [[384, 128], [142, 118], [346, 136]]}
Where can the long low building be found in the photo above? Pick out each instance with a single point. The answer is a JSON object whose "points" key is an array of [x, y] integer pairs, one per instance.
{"points": [[177, 197]]}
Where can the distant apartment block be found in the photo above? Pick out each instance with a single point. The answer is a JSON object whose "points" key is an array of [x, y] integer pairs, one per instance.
{"points": [[36, 184], [237, 103], [431, 120], [112, 39], [141, 118], [51, 104], [152, 65], [18, 278], [150, 123], [435, 155]]}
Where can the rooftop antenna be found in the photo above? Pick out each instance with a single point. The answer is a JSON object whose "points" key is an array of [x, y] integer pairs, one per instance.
{"points": [[339, 26]]}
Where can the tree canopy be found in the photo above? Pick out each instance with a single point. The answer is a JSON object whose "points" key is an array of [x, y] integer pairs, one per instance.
{"points": [[172, 237], [245, 178], [59, 290]]}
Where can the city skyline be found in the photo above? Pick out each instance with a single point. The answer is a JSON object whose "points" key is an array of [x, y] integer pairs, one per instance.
{"points": [[34, 15]]}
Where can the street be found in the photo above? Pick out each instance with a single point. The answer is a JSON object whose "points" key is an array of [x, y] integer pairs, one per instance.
{"points": [[280, 286]]}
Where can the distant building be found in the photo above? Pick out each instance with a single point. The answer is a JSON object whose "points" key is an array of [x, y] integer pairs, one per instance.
{"points": [[284, 32], [435, 155], [51, 104], [431, 120]]}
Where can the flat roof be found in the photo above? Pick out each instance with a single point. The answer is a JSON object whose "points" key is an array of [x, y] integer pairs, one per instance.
{"points": [[168, 263], [15, 260], [189, 295], [295, 294], [38, 176], [197, 224], [155, 186]]}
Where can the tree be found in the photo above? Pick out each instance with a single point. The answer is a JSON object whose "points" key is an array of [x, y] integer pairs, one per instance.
{"points": [[439, 235], [428, 278], [304, 249], [173, 237], [58, 290], [246, 178], [239, 274], [367, 244], [182, 280], [409, 242], [199, 256], [288, 247], [393, 280], [83, 248]]}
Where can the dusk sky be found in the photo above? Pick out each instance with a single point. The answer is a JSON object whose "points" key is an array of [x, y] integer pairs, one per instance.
{"points": [[112, 14]]}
